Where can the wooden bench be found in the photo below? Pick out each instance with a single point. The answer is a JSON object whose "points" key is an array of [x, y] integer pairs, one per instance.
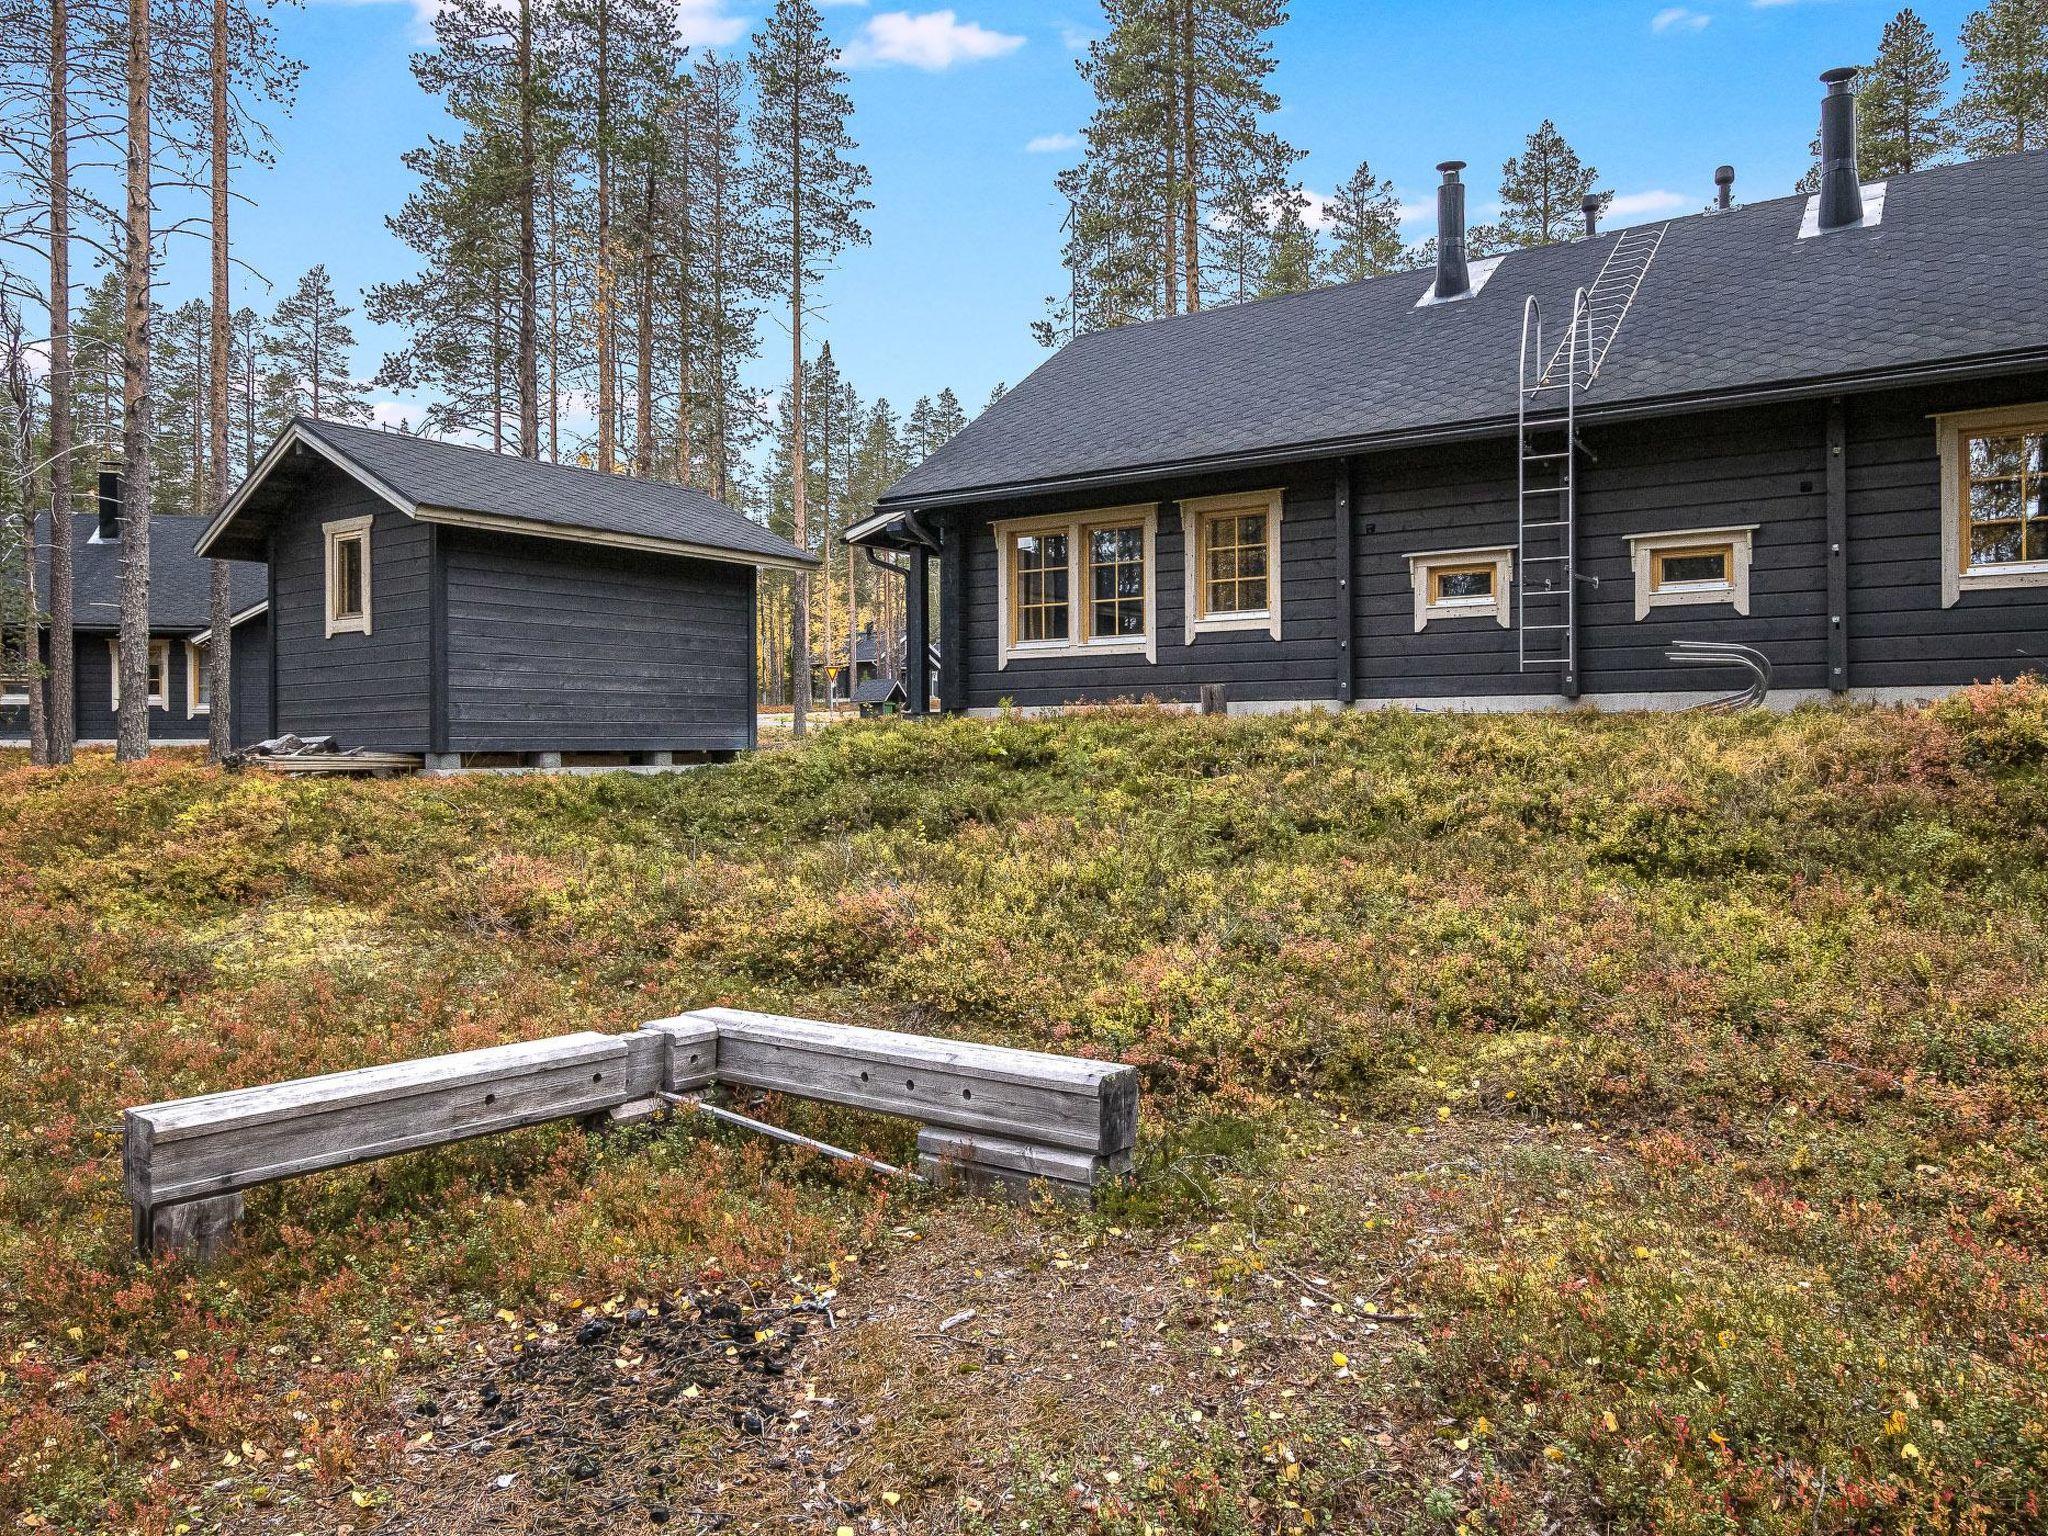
{"points": [[992, 1118]]}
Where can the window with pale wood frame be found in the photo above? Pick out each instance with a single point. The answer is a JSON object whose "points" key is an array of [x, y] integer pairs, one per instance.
{"points": [[1693, 568], [348, 576], [1116, 582], [15, 675], [1461, 584], [1706, 566], [1231, 545], [198, 686], [1078, 583], [159, 673], [1040, 600], [2005, 481], [1235, 573]]}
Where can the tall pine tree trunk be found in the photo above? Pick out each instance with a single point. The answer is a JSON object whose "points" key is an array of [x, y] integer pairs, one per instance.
{"points": [[220, 607], [1191, 221], [607, 380], [554, 330], [643, 338], [61, 692], [529, 280], [131, 736], [799, 472]]}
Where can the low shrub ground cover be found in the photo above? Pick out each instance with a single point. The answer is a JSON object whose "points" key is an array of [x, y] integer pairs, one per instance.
{"points": [[1680, 1080]]}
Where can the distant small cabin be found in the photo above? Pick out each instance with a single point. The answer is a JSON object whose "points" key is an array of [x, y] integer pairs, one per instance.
{"points": [[881, 696], [473, 608], [180, 611]]}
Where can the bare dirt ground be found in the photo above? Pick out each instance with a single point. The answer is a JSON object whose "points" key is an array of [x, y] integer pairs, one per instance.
{"points": [[992, 1368]]}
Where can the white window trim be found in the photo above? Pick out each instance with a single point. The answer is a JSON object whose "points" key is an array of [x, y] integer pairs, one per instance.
{"points": [[1075, 526], [1497, 607], [1735, 590], [1192, 513], [1949, 433], [335, 532], [156, 647], [193, 663]]}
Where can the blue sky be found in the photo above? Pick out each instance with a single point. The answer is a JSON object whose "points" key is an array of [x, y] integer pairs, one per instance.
{"points": [[964, 115]]}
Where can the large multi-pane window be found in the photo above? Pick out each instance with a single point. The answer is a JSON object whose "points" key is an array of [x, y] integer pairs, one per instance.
{"points": [[1234, 564], [2005, 480], [1078, 582], [1116, 582], [1039, 604]]}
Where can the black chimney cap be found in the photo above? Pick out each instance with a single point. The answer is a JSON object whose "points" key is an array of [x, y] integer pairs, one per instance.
{"points": [[1450, 168], [1838, 79], [1724, 175]]}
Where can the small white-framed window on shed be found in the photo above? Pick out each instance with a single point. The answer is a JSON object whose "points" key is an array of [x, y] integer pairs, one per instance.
{"points": [[1078, 584], [159, 673], [198, 686], [348, 576], [14, 675], [1994, 500], [1231, 546], [1691, 566], [1462, 584]]}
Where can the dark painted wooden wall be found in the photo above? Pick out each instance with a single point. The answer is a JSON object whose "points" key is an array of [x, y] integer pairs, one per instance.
{"points": [[367, 690], [93, 693], [557, 646], [1300, 664], [1766, 465], [249, 670]]}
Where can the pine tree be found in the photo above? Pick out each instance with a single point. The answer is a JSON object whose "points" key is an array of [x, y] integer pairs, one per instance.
{"points": [[996, 394], [138, 269], [1902, 102], [947, 419], [1292, 256], [1177, 135], [310, 347], [1365, 229], [1541, 192], [727, 266], [2004, 105], [812, 211]]}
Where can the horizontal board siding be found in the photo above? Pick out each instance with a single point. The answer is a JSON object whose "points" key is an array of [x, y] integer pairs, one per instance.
{"points": [[1300, 665], [93, 695], [249, 679], [557, 647], [366, 690], [1899, 634]]}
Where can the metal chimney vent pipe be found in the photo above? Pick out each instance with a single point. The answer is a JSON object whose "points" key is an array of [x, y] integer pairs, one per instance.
{"points": [[1724, 187], [110, 489], [1453, 279], [1841, 191], [1589, 206]]}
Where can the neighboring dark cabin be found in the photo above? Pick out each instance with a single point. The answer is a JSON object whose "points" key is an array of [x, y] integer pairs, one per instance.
{"points": [[881, 696], [180, 610], [478, 609], [1814, 425]]}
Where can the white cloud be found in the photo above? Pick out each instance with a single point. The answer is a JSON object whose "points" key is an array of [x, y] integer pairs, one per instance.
{"points": [[934, 40], [403, 414], [423, 13], [1052, 143], [1636, 204], [705, 24], [1678, 18], [1075, 39]]}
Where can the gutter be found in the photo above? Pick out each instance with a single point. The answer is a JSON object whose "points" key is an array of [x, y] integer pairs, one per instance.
{"points": [[1470, 431]]}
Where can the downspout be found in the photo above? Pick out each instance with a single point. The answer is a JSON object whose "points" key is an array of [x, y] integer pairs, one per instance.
{"points": [[917, 629]]}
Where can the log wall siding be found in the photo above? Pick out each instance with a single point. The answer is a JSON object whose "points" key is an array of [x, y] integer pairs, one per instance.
{"points": [[1257, 667], [93, 696], [1899, 634], [1766, 465], [366, 690], [249, 681], [560, 647]]}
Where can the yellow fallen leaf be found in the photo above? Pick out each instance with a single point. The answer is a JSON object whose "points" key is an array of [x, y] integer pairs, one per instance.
{"points": [[1608, 1419], [1339, 1359]]}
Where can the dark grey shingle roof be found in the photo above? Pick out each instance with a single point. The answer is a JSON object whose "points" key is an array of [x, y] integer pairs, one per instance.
{"points": [[1957, 269], [430, 473], [180, 582], [879, 690]]}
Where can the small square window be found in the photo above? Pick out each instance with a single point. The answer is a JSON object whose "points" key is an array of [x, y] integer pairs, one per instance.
{"points": [[1994, 498], [1461, 584], [348, 576], [1232, 547], [159, 673], [1692, 566]]}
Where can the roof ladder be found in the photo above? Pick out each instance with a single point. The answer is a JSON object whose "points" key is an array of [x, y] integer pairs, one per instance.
{"points": [[1547, 493], [1608, 300]]}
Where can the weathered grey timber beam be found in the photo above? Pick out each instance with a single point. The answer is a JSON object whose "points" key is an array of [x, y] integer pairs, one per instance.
{"points": [[987, 1090]]}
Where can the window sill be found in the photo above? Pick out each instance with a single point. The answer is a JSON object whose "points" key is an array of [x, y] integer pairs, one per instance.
{"points": [[1683, 597], [347, 627], [1227, 623], [1123, 645], [1432, 612]]}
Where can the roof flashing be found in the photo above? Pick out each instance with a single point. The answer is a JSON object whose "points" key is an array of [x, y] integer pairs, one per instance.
{"points": [[1480, 271], [1873, 212]]}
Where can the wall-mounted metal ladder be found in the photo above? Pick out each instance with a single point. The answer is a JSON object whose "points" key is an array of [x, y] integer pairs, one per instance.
{"points": [[1549, 383]]}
